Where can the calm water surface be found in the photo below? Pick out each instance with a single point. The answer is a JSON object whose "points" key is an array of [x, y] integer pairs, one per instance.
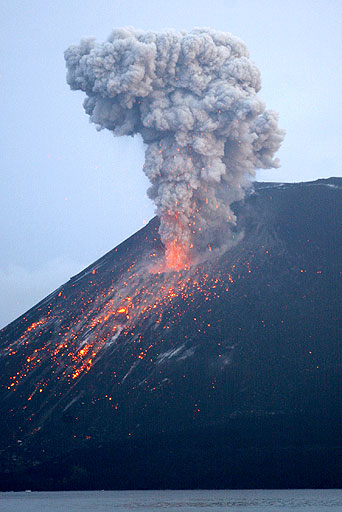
{"points": [[174, 501]]}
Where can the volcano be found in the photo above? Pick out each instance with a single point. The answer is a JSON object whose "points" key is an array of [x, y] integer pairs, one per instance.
{"points": [[227, 374]]}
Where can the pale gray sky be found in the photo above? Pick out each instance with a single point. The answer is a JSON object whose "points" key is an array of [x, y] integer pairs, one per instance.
{"points": [[68, 193]]}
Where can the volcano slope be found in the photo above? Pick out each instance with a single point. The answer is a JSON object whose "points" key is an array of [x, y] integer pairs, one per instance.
{"points": [[224, 375]]}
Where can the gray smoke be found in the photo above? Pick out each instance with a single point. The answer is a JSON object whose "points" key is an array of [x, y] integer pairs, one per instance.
{"points": [[193, 98]]}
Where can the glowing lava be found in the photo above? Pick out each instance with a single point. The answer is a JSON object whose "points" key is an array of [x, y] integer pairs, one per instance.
{"points": [[176, 256], [177, 249]]}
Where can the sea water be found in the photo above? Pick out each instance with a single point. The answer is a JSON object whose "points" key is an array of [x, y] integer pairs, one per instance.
{"points": [[174, 501]]}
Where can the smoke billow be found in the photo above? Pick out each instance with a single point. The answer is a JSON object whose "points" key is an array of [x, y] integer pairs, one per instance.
{"points": [[193, 98]]}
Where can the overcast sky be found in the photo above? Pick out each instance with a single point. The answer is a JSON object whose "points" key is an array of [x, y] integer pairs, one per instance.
{"points": [[69, 193]]}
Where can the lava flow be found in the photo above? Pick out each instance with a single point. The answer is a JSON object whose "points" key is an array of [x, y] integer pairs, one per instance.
{"points": [[72, 339]]}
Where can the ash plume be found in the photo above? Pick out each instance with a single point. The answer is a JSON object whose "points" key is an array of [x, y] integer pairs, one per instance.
{"points": [[193, 98]]}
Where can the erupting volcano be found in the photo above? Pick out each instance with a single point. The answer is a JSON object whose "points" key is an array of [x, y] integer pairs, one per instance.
{"points": [[128, 377], [206, 346], [193, 99]]}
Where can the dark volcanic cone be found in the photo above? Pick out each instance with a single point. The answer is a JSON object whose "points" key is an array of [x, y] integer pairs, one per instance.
{"points": [[224, 375]]}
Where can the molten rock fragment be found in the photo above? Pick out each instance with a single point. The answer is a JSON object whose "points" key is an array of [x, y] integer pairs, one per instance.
{"points": [[193, 98]]}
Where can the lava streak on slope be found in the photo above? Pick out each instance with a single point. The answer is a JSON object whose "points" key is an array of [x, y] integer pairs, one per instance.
{"points": [[103, 310], [70, 339]]}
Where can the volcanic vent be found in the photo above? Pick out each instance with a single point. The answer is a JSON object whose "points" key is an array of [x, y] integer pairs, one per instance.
{"points": [[125, 377]]}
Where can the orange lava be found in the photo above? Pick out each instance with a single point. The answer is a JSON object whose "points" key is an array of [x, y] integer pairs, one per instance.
{"points": [[176, 256]]}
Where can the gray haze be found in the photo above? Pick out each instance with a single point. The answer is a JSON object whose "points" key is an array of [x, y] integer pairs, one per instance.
{"points": [[192, 96], [69, 194]]}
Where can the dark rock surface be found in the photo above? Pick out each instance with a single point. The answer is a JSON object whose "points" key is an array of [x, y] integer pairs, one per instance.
{"points": [[227, 375]]}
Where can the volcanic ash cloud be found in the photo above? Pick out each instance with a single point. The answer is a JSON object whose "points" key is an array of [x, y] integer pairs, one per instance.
{"points": [[193, 98]]}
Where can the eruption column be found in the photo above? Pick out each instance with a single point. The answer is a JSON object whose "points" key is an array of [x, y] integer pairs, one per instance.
{"points": [[193, 98]]}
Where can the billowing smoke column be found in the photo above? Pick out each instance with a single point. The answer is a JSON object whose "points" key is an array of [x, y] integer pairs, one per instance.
{"points": [[192, 97]]}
